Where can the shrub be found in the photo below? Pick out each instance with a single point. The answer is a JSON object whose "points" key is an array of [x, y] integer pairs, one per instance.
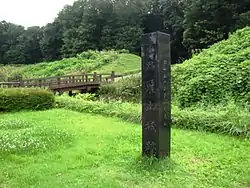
{"points": [[127, 89], [86, 96], [15, 76], [217, 74], [16, 99], [230, 119]]}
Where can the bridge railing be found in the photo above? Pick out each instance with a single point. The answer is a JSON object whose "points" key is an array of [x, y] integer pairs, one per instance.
{"points": [[64, 81]]}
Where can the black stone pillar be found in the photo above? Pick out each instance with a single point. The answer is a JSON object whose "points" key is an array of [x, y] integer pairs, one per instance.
{"points": [[156, 95]]}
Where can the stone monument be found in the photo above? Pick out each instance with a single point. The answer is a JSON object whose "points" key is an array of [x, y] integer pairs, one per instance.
{"points": [[156, 94]]}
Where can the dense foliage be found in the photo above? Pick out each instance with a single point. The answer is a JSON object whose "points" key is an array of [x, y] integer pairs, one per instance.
{"points": [[118, 24], [16, 99], [227, 120], [90, 61], [216, 75], [207, 22], [128, 89]]}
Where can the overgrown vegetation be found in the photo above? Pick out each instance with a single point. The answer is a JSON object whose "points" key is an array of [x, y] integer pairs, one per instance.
{"points": [[230, 119], [16, 99], [89, 61], [106, 152], [216, 75], [127, 89]]}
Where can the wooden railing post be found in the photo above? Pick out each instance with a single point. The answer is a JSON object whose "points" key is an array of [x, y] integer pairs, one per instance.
{"points": [[83, 78], [8, 80], [95, 77], [113, 76], [21, 83], [58, 81], [40, 83], [100, 78], [87, 78]]}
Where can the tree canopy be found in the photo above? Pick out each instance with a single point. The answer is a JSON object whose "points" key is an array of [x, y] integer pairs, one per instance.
{"points": [[118, 24]]}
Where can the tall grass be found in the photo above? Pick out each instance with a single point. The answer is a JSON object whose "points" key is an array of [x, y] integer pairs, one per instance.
{"points": [[230, 119]]}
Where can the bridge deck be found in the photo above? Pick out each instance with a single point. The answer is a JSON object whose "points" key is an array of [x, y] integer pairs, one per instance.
{"points": [[66, 83]]}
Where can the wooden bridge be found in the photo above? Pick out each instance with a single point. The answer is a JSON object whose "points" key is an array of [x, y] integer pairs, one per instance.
{"points": [[83, 82]]}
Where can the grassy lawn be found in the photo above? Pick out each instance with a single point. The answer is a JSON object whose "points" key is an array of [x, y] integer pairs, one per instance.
{"points": [[124, 64], [95, 151]]}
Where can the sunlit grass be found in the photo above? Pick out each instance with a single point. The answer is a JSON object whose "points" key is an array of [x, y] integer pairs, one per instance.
{"points": [[106, 152]]}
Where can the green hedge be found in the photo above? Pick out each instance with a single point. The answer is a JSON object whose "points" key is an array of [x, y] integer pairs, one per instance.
{"points": [[230, 120], [16, 99]]}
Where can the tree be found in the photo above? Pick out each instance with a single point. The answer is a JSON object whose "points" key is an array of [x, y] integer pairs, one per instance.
{"points": [[69, 20], [31, 42], [11, 47], [207, 22], [119, 24], [173, 12], [51, 41]]}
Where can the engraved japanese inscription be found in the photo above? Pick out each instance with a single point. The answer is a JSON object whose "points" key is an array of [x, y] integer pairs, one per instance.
{"points": [[150, 87], [156, 89], [150, 126], [151, 147]]}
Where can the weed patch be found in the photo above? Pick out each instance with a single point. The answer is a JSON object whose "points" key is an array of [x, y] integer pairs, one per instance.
{"points": [[14, 124], [23, 137]]}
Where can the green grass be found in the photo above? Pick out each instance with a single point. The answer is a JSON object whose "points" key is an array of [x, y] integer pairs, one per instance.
{"points": [[90, 61], [126, 63], [230, 119], [106, 152]]}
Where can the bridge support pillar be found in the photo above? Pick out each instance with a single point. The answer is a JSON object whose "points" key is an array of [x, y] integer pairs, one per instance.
{"points": [[70, 93]]}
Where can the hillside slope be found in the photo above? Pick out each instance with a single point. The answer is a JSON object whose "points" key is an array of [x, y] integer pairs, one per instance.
{"points": [[90, 61], [216, 75]]}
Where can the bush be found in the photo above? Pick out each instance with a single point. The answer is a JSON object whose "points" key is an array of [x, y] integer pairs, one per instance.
{"points": [[217, 74], [127, 89], [16, 99], [231, 120], [86, 96]]}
